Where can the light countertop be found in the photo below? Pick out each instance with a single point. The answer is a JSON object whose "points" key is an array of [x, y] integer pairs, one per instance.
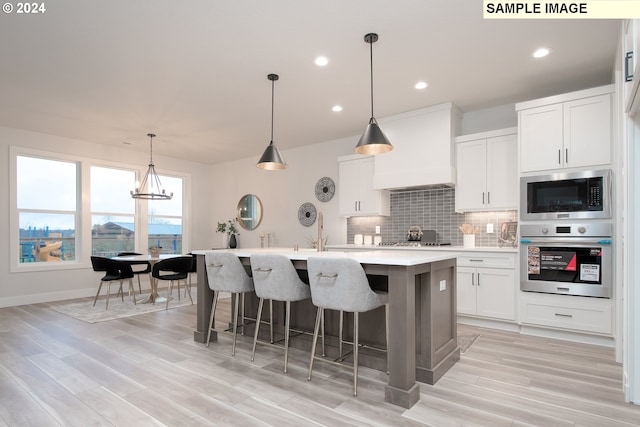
{"points": [[352, 247], [372, 256]]}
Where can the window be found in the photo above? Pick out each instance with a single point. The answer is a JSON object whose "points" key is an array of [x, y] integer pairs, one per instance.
{"points": [[46, 201], [165, 218], [112, 211], [64, 208]]}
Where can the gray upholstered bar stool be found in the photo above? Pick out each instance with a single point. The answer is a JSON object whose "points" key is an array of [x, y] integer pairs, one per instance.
{"points": [[341, 284], [276, 279], [226, 273]]}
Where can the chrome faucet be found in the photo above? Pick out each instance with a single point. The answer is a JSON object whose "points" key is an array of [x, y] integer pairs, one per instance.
{"points": [[320, 227]]}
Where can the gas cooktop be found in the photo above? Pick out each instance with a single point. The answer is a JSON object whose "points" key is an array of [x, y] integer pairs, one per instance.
{"points": [[414, 244]]}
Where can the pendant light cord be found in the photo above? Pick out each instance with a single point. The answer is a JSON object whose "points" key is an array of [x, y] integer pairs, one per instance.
{"points": [[150, 148], [371, 57], [273, 83]]}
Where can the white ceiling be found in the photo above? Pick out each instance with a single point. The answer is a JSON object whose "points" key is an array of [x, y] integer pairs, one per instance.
{"points": [[195, 72]]}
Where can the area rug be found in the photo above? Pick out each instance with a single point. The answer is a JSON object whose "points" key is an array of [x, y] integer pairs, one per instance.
{"points": [[465, 341], [86, 312]]}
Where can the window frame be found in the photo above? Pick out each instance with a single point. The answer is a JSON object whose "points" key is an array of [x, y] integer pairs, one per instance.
{"points": [[83, 213]]}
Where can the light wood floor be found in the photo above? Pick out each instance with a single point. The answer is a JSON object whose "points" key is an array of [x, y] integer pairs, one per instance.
{"points": [[147, 370]]}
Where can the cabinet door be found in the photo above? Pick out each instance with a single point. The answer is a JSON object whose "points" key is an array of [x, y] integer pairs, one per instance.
{"points": [[368, 198], [466, 290], [502, 172], [471, 175], [348, 188], [496, 293], [587, 132], [541, 134]]}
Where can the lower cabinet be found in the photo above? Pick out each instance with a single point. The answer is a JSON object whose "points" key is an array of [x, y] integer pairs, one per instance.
{"points": [[567, 313], [487, 285]]}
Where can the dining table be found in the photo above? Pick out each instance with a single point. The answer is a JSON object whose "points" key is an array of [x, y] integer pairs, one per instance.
{"points": [[422, 333], [153, 296]]}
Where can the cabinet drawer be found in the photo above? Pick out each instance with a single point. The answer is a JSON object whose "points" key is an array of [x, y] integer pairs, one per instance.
{"points": [[587, 319], [491, 260]]}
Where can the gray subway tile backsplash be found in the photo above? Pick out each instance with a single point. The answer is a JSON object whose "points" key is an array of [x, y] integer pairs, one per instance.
{"points": [[430, 209]]}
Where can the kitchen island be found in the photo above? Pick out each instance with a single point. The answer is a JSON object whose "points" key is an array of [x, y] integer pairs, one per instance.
{"points": [[422, 311]]}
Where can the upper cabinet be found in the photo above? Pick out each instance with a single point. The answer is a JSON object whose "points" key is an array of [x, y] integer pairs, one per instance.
{"points": [[422, 148], [630, 65], [356, 195], [566, 131], [487, 171]]}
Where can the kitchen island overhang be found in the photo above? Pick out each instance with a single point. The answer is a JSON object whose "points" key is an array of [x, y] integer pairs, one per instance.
{"points": [[422, 311]]}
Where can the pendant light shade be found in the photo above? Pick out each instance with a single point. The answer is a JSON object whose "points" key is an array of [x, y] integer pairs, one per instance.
{"points": [[151, 187], [372, 140], [271, 158]]}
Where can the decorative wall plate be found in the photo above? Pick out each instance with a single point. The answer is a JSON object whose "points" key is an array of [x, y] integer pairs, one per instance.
{"points": [[307, 214], [325, 189]]}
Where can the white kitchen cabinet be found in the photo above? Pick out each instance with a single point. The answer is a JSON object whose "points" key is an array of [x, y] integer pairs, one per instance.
{"points": [[356, 195], [566, 131], [486, 285], [487, 171], [567, 313]]}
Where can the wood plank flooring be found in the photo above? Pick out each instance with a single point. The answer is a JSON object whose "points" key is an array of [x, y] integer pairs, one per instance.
{"points": [[147, 370]]}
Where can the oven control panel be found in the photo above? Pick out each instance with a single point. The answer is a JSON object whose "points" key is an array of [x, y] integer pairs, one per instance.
{"points": [[596, 229]]}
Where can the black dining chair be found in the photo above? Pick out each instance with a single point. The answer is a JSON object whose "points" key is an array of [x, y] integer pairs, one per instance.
{"points": [[137, 271], [114, 270], [174, 269]]}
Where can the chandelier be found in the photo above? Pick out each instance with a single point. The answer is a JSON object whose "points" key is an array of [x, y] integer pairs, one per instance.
{"points": [[151, 181]]}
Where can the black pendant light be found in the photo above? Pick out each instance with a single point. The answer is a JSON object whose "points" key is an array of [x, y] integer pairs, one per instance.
{"points": [[372, 140], [271, 158], [151, 187]]}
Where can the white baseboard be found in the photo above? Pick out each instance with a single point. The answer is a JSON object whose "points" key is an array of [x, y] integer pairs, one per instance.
{"points": [[47, 297]]}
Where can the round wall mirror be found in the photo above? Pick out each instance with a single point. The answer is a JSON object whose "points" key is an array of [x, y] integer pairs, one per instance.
{"points": [[249, 212]]}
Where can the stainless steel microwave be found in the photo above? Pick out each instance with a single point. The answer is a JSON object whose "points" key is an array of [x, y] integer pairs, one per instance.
{"points": [[572, 195]]}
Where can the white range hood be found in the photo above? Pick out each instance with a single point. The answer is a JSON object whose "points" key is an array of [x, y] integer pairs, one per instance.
{"points": [[423, 153]]}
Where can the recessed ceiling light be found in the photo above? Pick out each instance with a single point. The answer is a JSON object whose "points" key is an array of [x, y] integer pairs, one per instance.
{"points": [[421, 85], [321, 61], [542, 52], [126, 142], [336, 108]]}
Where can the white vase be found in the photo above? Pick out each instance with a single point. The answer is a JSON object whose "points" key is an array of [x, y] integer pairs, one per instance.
{"points": [[225, 240], [469, 240]]}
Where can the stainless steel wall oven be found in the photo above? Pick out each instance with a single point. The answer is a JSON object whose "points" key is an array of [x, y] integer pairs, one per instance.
{"points": [[569, 259]]}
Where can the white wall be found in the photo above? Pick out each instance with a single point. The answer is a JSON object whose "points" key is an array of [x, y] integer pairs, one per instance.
{"points": [[30, 287], [282, 192]]}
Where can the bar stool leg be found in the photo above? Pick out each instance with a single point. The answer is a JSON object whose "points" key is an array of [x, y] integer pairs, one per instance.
{"points": [[340, 337], [255, 335], [235, 322], [241, 314], [355, 354], [213, 312], [322, 326], [271, 320], [287, 316], [386, 332], [315, 340]]}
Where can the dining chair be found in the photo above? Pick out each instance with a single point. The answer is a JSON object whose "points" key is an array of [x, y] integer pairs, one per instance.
{"points": [[174, 270], [225, 273], [276, 279], [341, 284], [114, 270], [137, 271]]}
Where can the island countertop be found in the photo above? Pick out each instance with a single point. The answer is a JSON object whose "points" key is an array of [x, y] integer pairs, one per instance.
{"points": [[381, 257]]}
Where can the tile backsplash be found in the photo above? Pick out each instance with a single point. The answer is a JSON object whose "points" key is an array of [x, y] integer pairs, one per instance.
{"points": [[430, 209]]}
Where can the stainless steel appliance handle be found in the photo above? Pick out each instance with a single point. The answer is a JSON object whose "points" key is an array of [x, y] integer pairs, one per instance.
{"points": [[563, 241]]}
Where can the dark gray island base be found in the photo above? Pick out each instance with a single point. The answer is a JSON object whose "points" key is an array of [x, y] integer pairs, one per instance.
{"points": [[422, 314]]}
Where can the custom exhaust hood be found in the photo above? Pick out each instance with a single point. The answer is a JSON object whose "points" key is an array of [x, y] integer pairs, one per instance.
{"points": [[423, 154]]}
